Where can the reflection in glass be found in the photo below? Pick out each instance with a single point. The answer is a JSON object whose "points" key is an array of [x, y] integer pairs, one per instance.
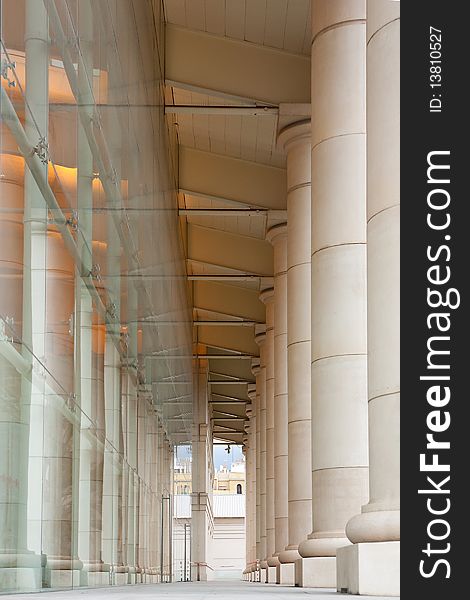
{"points": [[95, 336]]}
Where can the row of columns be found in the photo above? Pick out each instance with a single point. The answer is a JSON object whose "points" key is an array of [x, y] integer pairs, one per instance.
{"points": [[328, 459]]}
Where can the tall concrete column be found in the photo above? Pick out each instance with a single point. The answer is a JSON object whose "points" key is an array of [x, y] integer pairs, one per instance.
{"points": [[260, 339], [153, 501], [200, 497], [339, 345], [34, 263], [296, 140], [143, 419], [129, 409], [90, 344], [256, 370], [277, 235], [20, 569], [372, 565], [267, 297], [113, 553], [250, 513]]}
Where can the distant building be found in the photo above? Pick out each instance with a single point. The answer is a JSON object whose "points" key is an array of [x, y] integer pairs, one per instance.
{"points": [[230, 479], [226, 545]]}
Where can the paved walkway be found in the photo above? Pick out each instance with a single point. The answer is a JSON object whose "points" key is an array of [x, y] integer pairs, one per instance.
{"points": [[213, 590]]}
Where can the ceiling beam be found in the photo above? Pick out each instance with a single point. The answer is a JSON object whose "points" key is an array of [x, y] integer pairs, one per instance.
{"points": [[240, 339], [229, 381], [233, 67], [210, 109], [218, 199], [235, 179], [227, 356], [231, 300], [228, 403], [226, 323], [228, 399], [214, 277], [233, 251], [232, 212]]}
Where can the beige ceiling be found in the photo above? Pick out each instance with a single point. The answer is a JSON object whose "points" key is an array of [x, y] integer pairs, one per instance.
{"points": [[283, 24], [224, 60]]}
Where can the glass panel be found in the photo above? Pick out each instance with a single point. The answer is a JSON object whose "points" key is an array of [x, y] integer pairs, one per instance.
{"points": [[95, 342]]}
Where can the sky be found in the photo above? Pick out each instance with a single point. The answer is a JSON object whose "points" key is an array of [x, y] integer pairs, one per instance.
{"points": [[220, 455]]}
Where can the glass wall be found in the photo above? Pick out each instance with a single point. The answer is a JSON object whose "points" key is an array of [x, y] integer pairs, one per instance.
{"points": [[95, 324]]}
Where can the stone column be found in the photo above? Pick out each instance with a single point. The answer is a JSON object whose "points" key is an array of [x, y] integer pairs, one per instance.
{"points": [[296, 140], [90, 342], [372, 564], [34, 271], [260, 339], [339, 348], [143, 419], [92, 441], [154, 500], [113, 532], [268, 299], [129, 409], [200, 508], [277, 235], [267, 450], [256, 370], [20, 569], [250, 513]]}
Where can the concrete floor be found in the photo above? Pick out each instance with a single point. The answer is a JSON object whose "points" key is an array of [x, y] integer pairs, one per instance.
{"points": [[226, 590]]}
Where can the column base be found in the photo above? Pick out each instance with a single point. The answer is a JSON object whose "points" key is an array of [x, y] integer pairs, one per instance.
{"points": [[263, 574], [199, 573], [20, 579], [62, 578], [96, 578], [369, 568], [286, 574], [271, 575], [316, 572], [120, 578]]}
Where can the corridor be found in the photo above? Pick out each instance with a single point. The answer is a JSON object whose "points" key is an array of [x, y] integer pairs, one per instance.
{"points": [[228, 590]]}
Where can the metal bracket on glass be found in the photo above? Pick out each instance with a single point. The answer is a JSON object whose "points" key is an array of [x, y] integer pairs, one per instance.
{"points": [[113, 176], [95, 272], [125, 338], [111, 309], [39, 368], [42, 150], [71, 325], [71, 402], [6, 66], [72, 221], [130, 363], [3, 330], [145, 391]]}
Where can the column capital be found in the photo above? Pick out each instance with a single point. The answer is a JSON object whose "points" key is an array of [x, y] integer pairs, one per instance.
{"points": [[294, 134], [260, 339], [255, 365], [275, 234], [267, 296]]}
